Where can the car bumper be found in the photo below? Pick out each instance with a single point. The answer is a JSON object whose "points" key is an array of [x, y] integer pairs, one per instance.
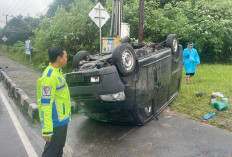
{"points": [[87, 94]]}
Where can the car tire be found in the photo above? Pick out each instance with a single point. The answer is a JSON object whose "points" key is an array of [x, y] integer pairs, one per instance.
{"points": [[143, 114], [126, 40], [80, 56], [124, 59], [172, 42]]}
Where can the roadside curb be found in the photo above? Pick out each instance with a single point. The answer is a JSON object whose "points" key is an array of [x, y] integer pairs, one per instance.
{"points": [[27, 103]]}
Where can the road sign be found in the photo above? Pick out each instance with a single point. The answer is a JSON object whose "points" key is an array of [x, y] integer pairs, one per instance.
{"points": [[99, 15], [28, 47], [4, 38]]}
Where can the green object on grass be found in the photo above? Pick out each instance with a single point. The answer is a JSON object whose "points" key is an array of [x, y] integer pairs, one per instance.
{"points": [[220, 105]]}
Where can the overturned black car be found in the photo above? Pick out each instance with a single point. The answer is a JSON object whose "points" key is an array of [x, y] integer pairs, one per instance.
{"points": [[131, 83]]}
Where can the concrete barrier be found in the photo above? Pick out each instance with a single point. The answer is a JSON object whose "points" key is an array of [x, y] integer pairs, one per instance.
{"points": [[26, 102], [28, 105]]}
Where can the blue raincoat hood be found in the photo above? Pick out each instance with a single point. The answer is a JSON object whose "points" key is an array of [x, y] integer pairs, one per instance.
{"points": [[188, 45]]}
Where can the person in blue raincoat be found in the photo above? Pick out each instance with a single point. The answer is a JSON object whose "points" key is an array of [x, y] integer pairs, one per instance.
{"points": [[191, 60]]}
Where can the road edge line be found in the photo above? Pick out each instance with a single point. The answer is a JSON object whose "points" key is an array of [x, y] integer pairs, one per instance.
{"points": [[27, 145]]}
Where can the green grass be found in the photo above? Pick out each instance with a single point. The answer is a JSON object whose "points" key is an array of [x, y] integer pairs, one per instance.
{"points": [[208, 78]]}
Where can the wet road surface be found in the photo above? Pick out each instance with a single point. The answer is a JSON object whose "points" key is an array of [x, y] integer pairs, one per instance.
{"points": [[10, 142], [170, 136], [21, 141]]}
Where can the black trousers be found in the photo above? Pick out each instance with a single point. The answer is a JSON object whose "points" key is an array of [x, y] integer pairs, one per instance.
{"points": [[54, 148]]}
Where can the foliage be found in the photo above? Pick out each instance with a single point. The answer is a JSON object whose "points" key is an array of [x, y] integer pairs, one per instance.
{"points": [[66, 4], [19, 29], [58, 3], [17, 53], [1, 31], [72, 29], [207, 23]]}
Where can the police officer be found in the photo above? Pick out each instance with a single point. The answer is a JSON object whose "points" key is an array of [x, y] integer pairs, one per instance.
{"points": [[54, 103]]}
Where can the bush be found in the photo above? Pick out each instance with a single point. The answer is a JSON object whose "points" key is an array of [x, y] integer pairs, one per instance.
{"points": [[207, 23]]}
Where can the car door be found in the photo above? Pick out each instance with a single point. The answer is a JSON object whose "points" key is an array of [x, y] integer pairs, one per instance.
{"points": [[153, 79], [162, 74]]}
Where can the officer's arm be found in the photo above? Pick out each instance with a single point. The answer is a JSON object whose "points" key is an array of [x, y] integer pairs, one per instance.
{"points": [[47, 99], [185, 53]]}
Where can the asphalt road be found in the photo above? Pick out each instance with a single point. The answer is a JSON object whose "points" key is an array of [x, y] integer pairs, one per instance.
{"points": [[170, 136], [10, 142], [19, 137]]}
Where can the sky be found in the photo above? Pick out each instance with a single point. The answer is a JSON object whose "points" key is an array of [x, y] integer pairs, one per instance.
{"points": [[33, 8]]}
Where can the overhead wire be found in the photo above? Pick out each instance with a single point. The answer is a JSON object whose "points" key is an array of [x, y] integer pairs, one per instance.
{"points": [[11, 4], [19, 7], [11, 8], [40, 12], [27, 7]]}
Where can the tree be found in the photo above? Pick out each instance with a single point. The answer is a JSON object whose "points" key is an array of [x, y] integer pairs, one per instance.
{"points": [[71, 29], [207, 23], [1, 35], [20, 29], [59, 3]]}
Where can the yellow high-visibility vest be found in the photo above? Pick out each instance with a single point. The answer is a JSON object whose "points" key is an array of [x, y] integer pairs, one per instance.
{"points": [[53, 99]]}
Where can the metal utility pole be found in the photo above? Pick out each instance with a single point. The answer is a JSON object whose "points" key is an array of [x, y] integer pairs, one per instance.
{"points": [[112, 19], [6, 17], [141, 17], [99, 15], [6, 34], [116, 20]]}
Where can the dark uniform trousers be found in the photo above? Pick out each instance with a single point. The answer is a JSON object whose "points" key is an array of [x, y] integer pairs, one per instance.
{"points": [[54, 148]]}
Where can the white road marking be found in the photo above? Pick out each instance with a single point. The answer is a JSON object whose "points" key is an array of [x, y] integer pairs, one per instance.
{"points": [[27, 145]]}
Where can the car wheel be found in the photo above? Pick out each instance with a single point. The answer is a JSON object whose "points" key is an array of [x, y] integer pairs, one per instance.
{"points": [[172, 42], [126, 40], [78, 58], [143, 114], [124, 59]]}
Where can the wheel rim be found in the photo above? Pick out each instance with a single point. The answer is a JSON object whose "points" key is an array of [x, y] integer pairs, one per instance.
{"points": [[175, 45], [127, 60]]}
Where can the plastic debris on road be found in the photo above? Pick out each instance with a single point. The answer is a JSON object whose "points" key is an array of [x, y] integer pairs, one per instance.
{"points": [[200, 94], [209, 115], [220, 105], [219, 94], [212, 99]]}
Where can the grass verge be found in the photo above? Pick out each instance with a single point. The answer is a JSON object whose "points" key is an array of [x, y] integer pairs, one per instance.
{"points": [[208, 79]]}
